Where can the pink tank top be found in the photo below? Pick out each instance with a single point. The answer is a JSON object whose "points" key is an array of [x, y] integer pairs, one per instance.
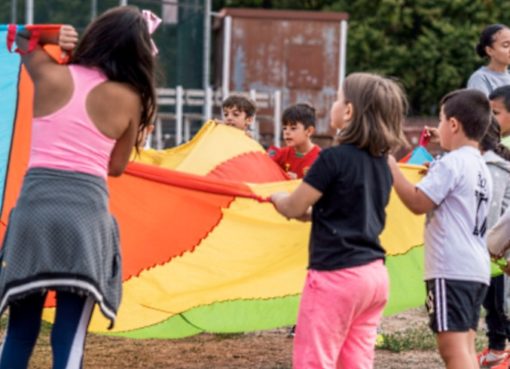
{"points": [[68, 139]]}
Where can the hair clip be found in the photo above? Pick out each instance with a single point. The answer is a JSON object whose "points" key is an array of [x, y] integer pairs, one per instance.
{"points": [[153, 21]]}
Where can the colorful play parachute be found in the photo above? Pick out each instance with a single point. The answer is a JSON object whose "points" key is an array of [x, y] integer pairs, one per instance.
{"points": [[202, 250]]}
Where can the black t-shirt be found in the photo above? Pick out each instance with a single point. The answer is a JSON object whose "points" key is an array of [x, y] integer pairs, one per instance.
{"points": [[350, 215]]}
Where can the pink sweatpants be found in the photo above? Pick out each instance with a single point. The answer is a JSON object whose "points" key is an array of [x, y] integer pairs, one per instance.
{"points": [[338, 317]]}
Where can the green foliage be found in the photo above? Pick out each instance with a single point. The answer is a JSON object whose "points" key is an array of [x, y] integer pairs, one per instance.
{"points": [[426, 44]]}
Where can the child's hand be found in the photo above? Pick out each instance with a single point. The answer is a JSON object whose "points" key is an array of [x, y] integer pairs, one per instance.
{"points": [[67, 38], [505, 268], [425, 171], [292, 175], [277, 196], [432, 133]]}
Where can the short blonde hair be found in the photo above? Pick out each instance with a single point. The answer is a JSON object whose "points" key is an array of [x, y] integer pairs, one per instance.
{"points": [[379, 107]]}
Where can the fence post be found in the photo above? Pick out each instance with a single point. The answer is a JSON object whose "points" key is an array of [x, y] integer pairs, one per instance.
{"points": [[227, 37], [276, 117], [208, 103], [159, 134], [256, 130], [187, 129], [178, 114]]}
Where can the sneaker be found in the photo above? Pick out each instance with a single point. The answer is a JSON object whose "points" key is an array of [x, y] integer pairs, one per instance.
{"points": [[292, 332], [488, 359]]}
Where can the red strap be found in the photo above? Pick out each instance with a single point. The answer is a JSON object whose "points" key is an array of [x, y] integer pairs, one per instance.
{"points": [[11, 36], [34, 40], [35, 34], [424, 138]]}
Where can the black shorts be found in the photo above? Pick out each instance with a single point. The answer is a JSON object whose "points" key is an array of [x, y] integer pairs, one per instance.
{"points": [[454, 306]]}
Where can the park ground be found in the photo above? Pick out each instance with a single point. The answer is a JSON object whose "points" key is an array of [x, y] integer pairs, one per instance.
{"points": [[407, 344]]}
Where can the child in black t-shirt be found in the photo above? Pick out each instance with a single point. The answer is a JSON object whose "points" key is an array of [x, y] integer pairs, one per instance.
{"points": [[349, 187]]}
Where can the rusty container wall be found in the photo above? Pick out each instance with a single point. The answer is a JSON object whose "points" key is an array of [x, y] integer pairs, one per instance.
{"points": [[297, 52]]}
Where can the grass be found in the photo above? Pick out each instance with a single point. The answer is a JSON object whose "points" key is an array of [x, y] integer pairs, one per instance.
{"points": [[419, 338]]}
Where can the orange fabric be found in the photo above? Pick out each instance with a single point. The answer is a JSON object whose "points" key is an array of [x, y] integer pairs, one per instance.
{"points": [[253, 167], [20, 149], [192, 181], [148, 241]]}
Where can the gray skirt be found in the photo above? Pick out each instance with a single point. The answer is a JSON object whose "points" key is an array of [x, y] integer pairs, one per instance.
{"points": [[61, 236]]}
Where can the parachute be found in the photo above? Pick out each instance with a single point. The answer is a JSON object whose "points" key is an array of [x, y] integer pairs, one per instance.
{"points": [[202, 249]]}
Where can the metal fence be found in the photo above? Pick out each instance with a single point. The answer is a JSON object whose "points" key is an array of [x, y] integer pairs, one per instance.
{"points": [[181, 112]]}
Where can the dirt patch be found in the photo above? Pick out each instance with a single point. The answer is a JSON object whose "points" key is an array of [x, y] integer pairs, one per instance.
{"points": [[260, 350]]}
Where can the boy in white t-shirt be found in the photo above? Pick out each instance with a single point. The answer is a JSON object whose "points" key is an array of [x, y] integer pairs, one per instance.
{"points": [[455, 194]]}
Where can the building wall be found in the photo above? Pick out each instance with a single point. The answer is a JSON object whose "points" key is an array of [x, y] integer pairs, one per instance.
{"points": [[296, 52]]}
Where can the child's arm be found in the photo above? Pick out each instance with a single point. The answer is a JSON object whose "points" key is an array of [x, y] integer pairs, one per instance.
{"points": [[414, 199], [297, 204], [498, 237], [37, 60]]}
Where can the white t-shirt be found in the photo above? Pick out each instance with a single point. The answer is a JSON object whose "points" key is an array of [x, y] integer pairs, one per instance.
{"points": [[455, 233]]}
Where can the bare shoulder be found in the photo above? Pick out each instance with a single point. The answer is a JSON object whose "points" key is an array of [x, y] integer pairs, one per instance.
{"points": [[53, 89], [120, 93], [113, 106]]}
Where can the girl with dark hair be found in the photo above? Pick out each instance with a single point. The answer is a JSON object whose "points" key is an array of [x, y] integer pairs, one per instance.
{"points": [[349, 187], [88, 116], [494, 44]]}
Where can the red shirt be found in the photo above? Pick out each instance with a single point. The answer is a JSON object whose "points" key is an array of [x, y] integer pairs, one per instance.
{"points": [[292, 161]]}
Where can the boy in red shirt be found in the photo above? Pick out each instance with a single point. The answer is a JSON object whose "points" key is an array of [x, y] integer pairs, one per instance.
{"points": [[299, 154]]}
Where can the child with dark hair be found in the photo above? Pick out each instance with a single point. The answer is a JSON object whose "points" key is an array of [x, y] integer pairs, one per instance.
{"points": [[494, 44], [349, 187], [297, 157], [239, 112], [88, 116], [496, 156], [456, 196], [500, 103]]}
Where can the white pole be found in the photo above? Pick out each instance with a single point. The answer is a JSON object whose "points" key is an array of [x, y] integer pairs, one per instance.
{"points": [[276, 117], [227, 36], [93, 9], [187, 129], [256, 131], [159, 134], [208, 103], [14, 11], [178, 115], [343, 53], [207, 42], [29, 11], [123, 2]]}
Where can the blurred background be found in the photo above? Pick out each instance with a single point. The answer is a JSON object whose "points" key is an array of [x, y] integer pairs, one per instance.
{"points": [[285, 51]]}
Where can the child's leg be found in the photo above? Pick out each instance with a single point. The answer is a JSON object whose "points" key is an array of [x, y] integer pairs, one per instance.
{"points": [[330, 303], [316, 343], [497, 323], [358, 349], [472, 348], [22, 331], [70, 329], [456, 351], [454, 311]]}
